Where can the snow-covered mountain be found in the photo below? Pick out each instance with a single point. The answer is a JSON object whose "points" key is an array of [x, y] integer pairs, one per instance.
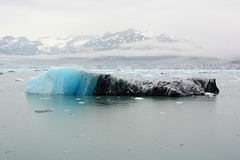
{"points": [[77, 44], [20, 45], [114, 40]]}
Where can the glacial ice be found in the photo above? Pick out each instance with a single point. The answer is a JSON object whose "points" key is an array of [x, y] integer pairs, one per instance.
{"points": [[71, 81], [138, 98], [62, 80], [19, 79], [44, 111]]}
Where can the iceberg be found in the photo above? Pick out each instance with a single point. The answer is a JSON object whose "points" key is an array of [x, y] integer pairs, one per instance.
{"points": [[71, 81], [62, 81], [44, 111]]}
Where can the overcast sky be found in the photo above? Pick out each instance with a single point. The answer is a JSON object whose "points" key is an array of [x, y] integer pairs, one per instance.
{"points": [[207, 22]]}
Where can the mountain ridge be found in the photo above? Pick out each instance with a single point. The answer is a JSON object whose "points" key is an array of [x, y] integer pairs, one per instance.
{"points": [[78, 44]]}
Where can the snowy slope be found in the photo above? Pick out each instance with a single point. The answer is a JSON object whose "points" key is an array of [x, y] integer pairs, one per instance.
{"points": [[20, 45], [78, 44], [114, 40]]}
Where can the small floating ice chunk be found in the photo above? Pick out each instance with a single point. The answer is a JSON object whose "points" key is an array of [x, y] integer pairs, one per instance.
{"points": [[147, 75], [138, 98], [78, 99], [66, 110], [82, 134], [162, 112], [209, 94], [81, 102], [19, 79], [45, 98], [10, 151], [44, 111], [179, 102], [66, 152], [10, 71]]}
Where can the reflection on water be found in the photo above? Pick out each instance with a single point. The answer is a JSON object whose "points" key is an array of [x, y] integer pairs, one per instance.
{"points": [[110, 127], [62, 101], [65, 101]]}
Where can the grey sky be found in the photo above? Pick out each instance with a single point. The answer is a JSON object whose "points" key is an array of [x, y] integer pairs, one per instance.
{"points": [[212, 23]]}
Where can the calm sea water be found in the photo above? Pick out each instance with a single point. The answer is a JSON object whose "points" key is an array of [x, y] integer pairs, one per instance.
{"points": [[118, 128]]}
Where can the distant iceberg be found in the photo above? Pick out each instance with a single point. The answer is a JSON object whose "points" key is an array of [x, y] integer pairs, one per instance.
{"points": [[71, 81]]}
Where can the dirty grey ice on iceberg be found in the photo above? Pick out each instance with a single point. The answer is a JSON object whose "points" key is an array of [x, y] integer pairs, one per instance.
{"points": [[71, 81]]}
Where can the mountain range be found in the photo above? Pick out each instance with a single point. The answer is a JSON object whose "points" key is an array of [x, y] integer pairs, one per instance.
{"points": [[79, 44]]}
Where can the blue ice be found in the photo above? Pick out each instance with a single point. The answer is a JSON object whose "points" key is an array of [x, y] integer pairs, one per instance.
{"points": [[63, 80]]}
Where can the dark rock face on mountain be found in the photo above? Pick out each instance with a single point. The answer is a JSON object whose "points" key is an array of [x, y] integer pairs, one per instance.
{"points": [[20, 46], [114, 40]]}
